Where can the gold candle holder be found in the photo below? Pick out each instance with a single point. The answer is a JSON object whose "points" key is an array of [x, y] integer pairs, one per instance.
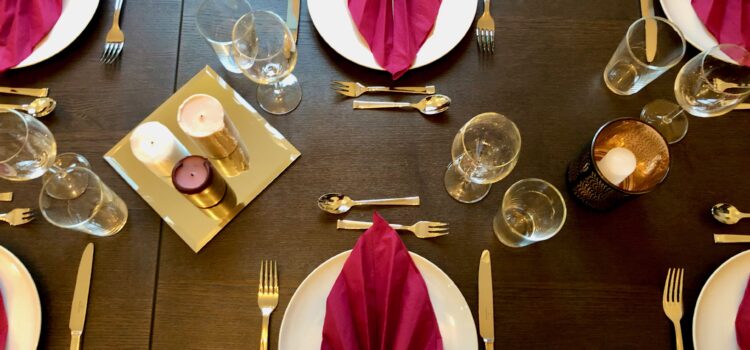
{"points": [[202, 118], [195, 178]]}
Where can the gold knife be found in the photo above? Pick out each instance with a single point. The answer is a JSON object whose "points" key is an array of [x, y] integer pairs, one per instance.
{"points": [[743, 106], [81, 297], [25, 91], [731, 238], [647, 10], [486, 318]]}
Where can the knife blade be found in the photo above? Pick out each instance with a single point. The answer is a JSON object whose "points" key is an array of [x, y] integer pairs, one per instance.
{"points": [[647, 10], [292, 17], [486, 318], [81, 296]]}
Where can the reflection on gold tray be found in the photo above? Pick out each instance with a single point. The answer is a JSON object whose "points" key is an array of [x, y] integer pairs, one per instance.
{"points": [[268, 151]]}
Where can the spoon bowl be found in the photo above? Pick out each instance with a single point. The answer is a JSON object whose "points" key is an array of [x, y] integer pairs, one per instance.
{"points": [[41, 107], [433, 104], [727, 213], [335, 203]]}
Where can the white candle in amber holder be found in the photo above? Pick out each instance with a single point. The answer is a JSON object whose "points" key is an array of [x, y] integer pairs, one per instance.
{"points": [[202, 117], [157, 148], [617, 165]]}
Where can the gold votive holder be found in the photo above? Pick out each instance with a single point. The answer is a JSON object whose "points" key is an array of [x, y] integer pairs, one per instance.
{"points": [[206, 193], [585, 180]]}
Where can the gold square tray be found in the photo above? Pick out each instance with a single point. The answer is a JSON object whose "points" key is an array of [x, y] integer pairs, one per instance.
{"points": [[269, 155]]}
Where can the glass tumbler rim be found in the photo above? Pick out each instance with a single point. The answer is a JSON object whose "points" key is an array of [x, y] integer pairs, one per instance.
{"points": [[21, 116], [710, 52], [200, 28], [557, 192], [93, 212], [517, 133], [674, 27]]}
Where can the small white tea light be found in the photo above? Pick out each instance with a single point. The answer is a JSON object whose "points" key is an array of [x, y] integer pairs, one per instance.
{"points": [[157, 148], [617, 165]]}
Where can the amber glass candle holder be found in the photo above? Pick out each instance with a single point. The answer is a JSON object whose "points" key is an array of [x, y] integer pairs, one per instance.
{"points": [[588, 183]]}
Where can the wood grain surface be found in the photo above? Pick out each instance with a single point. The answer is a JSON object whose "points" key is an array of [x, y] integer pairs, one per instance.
{"points": [[596, 285]]}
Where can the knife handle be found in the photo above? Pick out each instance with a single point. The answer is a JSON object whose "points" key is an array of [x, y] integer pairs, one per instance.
{"points": [[25, 91], [75, 340], [731, 238]]}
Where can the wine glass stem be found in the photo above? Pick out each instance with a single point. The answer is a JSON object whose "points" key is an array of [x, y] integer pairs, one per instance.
{"points": [[666, 119]]}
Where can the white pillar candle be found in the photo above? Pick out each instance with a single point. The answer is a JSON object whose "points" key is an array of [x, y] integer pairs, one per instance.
{"points": [[202, 117], [157, 148], [617, 165]]}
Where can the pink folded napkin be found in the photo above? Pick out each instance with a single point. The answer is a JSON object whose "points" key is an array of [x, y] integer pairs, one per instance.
{"points": [[394, 29], [23, 23], [742, 321], [380, 300], [727, 20], [3, 325]]}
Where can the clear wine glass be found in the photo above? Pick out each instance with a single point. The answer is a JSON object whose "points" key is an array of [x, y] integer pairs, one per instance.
{"points": [[484, 151], [265, 51], [27, 147], [711, 84], [28, 150]]}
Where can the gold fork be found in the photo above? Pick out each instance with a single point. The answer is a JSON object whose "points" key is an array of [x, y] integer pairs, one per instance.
{"points": [[354, 89], [486, 30], [115, 38], [422, 229], [268, 296], [18, 216], [672, 301]]}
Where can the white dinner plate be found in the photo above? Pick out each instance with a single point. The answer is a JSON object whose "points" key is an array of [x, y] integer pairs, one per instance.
{"points": [[682, 14], [302, 326], [75, 16], [716, 309], [335, 24], [21, 301]]}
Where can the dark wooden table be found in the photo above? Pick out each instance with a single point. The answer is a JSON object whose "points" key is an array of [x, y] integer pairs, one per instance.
{"points": [[596, 285]]}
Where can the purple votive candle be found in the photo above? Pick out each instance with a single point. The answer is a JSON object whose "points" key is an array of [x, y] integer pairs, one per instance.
{"points": [[196, 179]]}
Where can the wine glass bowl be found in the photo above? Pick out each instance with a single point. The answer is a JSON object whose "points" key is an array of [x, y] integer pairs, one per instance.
{"points": [[27, 147], [484, 151], [265, 52]]}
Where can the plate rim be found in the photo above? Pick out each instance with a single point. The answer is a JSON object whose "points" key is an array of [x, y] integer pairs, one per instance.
{"points": [[25, 272], [294, 295], [671, 16], [70, 39], [705, 285], [414, 65]]}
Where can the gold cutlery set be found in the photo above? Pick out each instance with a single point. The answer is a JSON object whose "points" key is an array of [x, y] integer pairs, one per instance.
{"points": [[337, 203], [39, 107], [430, 105]]}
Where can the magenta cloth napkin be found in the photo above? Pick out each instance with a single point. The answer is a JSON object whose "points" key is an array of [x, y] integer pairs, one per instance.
{"points": [[3, 324], [727, 20], [742, 321], [394, 29], [380, 300], [23, 23]]}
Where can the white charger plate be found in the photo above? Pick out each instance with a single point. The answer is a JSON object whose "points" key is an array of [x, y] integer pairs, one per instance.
{"points": [[716, 309], [21, 300], [335, 24], [302, 326], [682, 14], [75, 16]]}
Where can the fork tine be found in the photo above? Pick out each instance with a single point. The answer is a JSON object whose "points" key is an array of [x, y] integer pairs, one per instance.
{"points": [[260, 277], [679, 289], [438, 224], [267, 278], [492, 41], [275, 278], [673, 285], [486, 40], [666, 286], [104, 52], [117, 52], [444, 229]]}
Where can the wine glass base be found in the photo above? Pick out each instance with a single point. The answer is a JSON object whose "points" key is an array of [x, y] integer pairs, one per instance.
{"points": [[462, 190], [282, 97], [673, 129], [72, 186]]}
